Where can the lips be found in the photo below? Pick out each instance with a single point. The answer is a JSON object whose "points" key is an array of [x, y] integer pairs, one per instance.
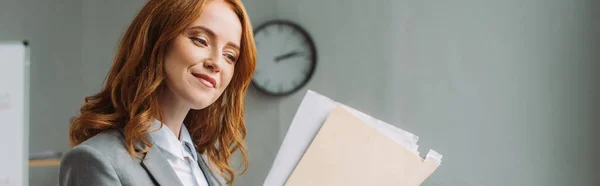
{"points": [[206, 79]]}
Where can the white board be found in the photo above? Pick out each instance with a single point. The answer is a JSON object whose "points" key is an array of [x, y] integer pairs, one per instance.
{"points": [[14, 113]]}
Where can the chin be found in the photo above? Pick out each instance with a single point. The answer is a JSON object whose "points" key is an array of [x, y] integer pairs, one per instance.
{"points": [[201, 99], [200, 103]]}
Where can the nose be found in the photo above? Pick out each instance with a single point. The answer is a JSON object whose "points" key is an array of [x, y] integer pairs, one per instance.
{"points": [[213, 63]]}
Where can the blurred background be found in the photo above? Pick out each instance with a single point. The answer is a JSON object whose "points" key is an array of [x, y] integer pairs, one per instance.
{"points": [[506, 90]]}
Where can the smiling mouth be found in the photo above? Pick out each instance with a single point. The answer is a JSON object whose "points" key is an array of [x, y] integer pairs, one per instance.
{"points": [[206, 80]]}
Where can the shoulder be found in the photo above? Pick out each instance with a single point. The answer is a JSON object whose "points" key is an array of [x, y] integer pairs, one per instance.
{"points": [[108, 145], [90, 162], [82, 154], [105, 140]]}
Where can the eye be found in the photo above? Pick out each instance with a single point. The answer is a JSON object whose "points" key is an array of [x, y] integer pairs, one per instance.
{"points": [[200, 41], [230, 57]]}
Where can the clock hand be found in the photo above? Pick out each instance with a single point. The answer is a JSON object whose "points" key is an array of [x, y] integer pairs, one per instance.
{"points": [[286, 56]]}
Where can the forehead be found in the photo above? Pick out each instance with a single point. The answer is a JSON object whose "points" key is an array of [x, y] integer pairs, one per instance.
{"points": [[219, 17]]}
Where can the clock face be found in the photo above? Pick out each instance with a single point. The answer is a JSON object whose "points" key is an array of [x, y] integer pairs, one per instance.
{"points": [[286, 58]]}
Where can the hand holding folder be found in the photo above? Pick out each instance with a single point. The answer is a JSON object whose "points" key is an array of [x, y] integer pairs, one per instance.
{"points": [[329, 143]]}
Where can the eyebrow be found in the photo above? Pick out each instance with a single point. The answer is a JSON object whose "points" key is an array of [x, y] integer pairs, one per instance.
{"points": [[213, 35]]}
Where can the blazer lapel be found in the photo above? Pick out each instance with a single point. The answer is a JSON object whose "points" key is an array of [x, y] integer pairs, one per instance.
{"points": [[162, 172], [208, 174], [158, 167]]}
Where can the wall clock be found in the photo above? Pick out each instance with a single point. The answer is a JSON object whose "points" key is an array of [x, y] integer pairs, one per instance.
{"points": [[286, 58]]}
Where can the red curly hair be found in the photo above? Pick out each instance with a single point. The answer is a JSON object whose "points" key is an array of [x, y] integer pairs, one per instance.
{"points": [[129, 98]]}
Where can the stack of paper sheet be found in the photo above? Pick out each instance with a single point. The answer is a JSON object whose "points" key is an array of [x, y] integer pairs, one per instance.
{"points": [[331, 144]]}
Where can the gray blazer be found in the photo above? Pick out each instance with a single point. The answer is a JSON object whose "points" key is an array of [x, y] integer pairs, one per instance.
{"points": [[103, 160]]}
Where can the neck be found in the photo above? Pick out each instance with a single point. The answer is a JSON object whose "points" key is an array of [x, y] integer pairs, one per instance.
{"points": [[173, 111]]}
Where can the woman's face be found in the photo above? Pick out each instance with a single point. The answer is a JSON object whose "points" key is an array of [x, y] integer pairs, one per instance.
{"points": [[200, 62]]}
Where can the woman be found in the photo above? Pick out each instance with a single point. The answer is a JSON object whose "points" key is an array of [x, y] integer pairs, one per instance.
{"points": [[171, 111]]}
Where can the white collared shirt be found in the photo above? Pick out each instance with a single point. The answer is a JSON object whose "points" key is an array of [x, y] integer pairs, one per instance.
{"points": [[183, 162]]}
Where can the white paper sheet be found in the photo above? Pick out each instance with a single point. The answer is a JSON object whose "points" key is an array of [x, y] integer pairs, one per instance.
{"points": [[403, 137], [312, 113]]}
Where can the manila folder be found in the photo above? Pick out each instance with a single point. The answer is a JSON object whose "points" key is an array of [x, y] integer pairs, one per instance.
{"points": [[346, 152]]}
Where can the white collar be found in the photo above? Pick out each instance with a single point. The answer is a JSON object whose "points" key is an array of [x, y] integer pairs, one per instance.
{"points": [[166, 140]]}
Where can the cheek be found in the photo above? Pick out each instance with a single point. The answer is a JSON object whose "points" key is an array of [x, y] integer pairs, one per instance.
{"points": [[227, 75], [173, 69], [182, 54], [176, 64]]}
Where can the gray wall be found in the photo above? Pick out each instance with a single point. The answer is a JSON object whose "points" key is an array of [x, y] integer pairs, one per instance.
{"points": [[503, 89], [54, 31], [104, 22]]}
